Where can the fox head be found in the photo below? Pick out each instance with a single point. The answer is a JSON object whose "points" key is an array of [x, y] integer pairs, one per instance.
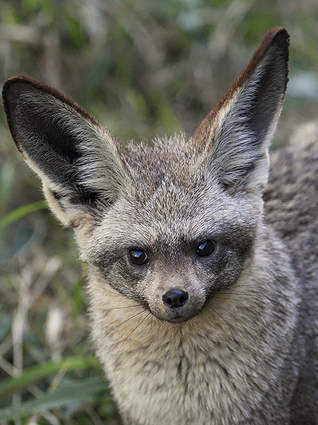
{"points": [[169, 225]]}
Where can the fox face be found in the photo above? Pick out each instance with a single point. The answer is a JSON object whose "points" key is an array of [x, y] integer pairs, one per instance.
{"points": [[169, 225], [164, 245]]}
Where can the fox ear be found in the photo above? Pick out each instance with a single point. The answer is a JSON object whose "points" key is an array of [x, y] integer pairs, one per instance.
{"points": [[78, 160], [234, 138]]}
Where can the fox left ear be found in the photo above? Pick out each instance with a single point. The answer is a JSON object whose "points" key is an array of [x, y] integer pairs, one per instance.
{"points": [[233, 139], [78, 161]]}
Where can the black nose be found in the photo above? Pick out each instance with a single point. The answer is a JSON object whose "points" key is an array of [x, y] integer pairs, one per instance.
{"points": [[175, 298]]}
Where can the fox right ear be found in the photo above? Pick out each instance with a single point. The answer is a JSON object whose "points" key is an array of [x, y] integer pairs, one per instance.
{"points": [[234, 138], [78, 160]]}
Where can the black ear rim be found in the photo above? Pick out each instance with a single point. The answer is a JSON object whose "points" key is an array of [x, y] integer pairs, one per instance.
{"points": [[277, 37], [44, 88]]}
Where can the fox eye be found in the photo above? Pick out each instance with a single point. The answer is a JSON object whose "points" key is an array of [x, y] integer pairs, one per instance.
{"points": [[205, 248], [138, 257]]}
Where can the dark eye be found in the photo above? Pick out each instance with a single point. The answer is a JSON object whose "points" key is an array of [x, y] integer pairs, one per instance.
{"points": [[205, 248], [138, 257]]}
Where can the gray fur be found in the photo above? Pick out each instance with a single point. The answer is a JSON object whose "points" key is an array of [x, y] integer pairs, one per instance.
{"points": [[243, 348]]}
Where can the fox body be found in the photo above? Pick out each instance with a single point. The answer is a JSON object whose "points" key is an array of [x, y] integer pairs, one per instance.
{"points": [[202, 273]]}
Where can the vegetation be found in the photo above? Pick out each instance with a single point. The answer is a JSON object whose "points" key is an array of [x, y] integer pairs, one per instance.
{"points": [[143, 68]]}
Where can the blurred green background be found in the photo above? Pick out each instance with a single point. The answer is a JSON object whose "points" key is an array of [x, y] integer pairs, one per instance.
{"points": [[143, 68]]}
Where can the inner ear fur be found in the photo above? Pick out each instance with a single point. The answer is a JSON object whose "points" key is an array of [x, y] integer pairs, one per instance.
{"points": [[77, 159]]}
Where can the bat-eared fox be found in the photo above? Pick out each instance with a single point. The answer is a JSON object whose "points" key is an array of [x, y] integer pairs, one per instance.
{"points": [[202, 253]]}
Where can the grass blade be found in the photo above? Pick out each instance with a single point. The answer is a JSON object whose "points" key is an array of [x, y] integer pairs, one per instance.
{"points": [[32, 375], [66, 394], [21, 212]]}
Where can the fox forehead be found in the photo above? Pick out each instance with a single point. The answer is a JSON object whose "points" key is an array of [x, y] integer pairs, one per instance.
{"points": [[162, 162], [172, 187], [177, 209]]}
